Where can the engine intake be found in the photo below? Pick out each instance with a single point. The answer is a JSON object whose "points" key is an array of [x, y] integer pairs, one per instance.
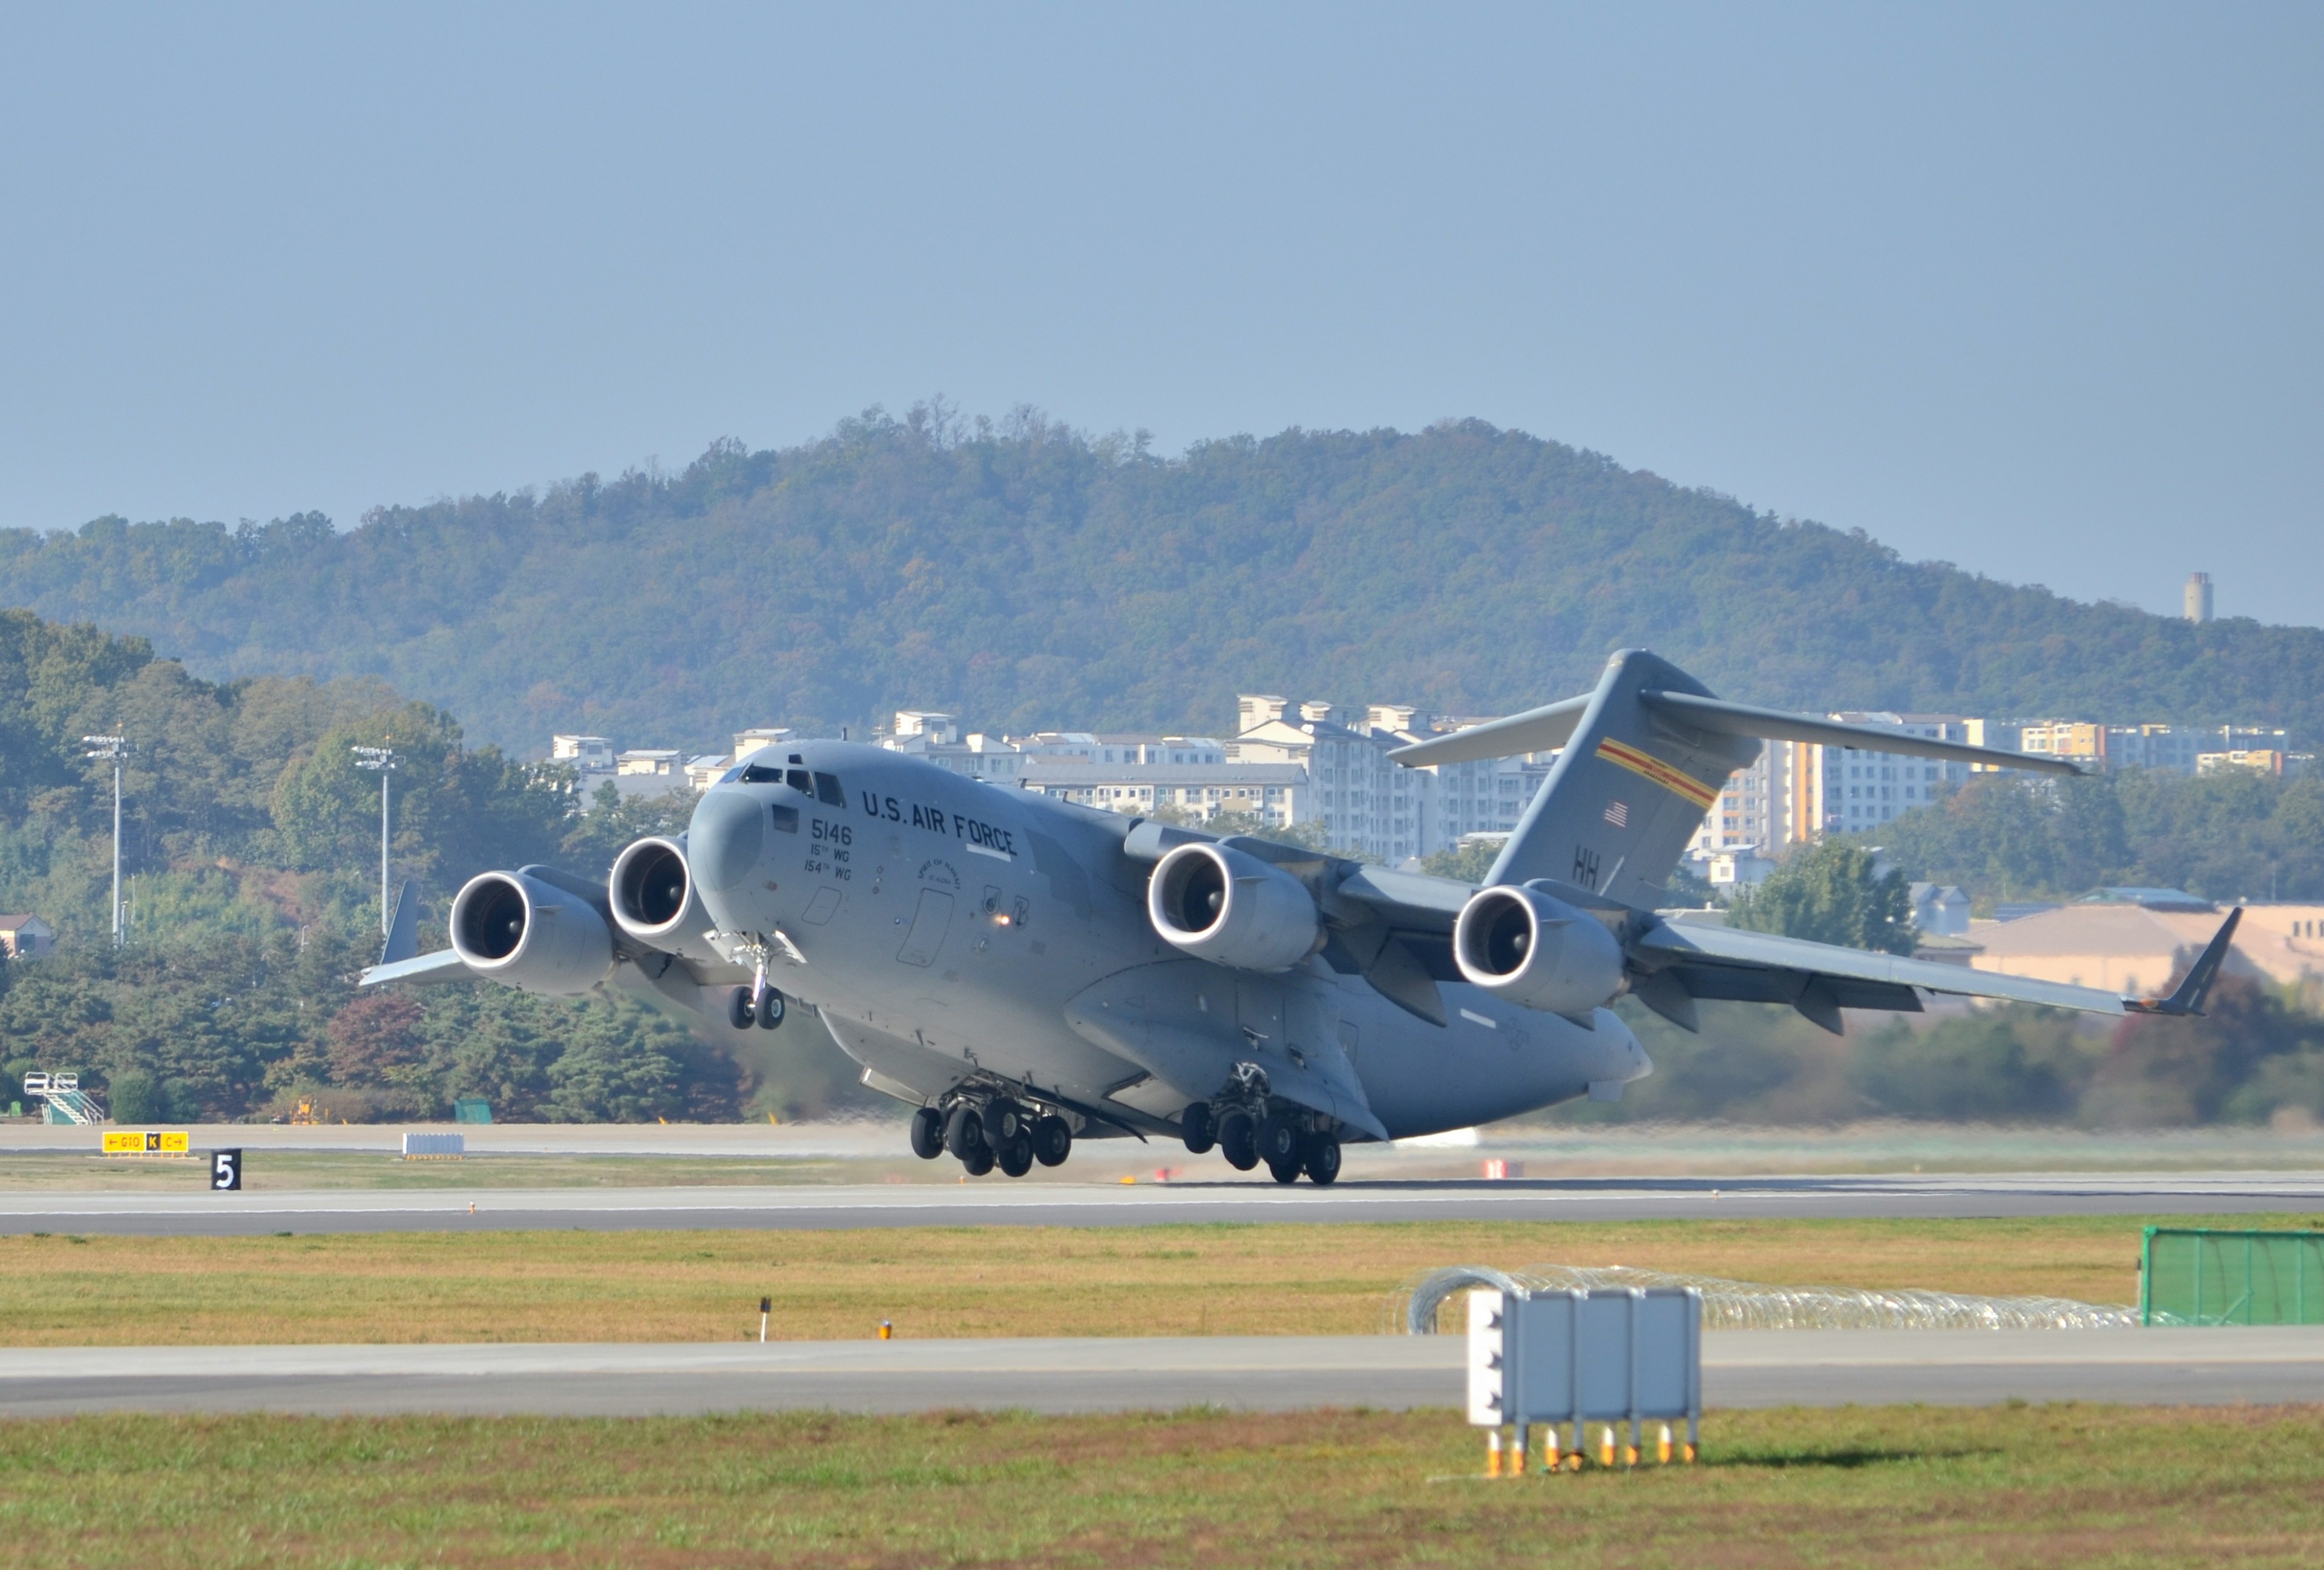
{"points": [[530, 935], [654, 900], [1227, 906], [1537, 952]]}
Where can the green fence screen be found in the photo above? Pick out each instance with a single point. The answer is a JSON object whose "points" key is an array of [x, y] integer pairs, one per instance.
{"points": [[2195, 1276]]}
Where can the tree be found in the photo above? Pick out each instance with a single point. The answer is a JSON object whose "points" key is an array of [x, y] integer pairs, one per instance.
{"points": [[1831, 893]]}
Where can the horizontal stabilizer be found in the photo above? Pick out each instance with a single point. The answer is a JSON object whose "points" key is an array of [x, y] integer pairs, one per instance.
{"points": [[1743, 719], [1541, 730], [1538, 730]]}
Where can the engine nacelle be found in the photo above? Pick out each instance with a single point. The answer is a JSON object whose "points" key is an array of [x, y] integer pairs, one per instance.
{"points": [[1537, 952], [655, 902], [530, 935], [1227, 906]]}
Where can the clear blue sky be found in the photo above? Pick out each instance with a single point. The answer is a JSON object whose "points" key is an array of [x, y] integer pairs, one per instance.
{"points": [[2031, 288]]}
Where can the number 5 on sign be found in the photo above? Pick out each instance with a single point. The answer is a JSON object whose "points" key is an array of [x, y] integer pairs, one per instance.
{"points": [[226, 1169]]}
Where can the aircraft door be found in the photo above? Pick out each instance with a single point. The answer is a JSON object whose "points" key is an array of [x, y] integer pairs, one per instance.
{"points": [[928, 928], [1259, 1010]]}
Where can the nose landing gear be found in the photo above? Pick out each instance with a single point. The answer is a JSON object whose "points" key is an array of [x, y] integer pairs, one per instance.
{"points": [[758, 1004]]}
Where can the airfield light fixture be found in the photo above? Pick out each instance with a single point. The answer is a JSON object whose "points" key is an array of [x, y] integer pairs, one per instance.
{"points": [[382, 761], [113, 750]]}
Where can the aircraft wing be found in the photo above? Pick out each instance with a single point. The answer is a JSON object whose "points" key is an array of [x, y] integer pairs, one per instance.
{"points": [[1676, 962], [421, 970]]}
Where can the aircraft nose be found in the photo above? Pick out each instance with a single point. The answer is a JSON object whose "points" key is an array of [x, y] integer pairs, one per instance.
{"points": [[723, 844]]}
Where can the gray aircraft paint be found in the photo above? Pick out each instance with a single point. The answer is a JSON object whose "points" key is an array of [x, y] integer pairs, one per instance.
{"points": [[967, 928]]}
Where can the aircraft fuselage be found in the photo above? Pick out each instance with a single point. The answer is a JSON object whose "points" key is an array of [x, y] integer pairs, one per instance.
{"points": [[945, 928]]}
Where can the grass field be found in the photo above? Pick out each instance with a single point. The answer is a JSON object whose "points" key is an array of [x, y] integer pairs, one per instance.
{"points": [[1158, 1281], [2001, 1487]]}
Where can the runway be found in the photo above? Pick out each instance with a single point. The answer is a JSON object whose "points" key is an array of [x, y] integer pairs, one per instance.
{"points": [[996, 1202], [1740, 1369]]}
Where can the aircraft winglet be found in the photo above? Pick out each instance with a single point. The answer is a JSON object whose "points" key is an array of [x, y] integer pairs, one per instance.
{"points": [[2195, 986]]}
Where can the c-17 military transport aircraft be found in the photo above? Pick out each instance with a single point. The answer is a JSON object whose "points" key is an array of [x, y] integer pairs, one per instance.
{"points": [[1026, 972]]}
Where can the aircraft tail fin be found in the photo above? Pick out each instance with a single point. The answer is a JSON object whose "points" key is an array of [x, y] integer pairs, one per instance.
{"points": [[1627, 794], [1645, 758]]}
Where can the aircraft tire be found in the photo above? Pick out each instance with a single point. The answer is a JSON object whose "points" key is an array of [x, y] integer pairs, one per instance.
{"points": [[1284, 1171], [963, 1135], [927, 1133], [1279, 1141], [1016, 1156], [1322, 1160], [769, 1009], [1053, 1140], [978, 1162], [1003, 1122], [739, 1012], [1239, 1140], [1200, 1127]]}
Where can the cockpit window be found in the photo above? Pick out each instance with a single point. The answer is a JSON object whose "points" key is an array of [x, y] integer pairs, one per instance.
{"points": [[785, 818], [798, 780], [827, 790], [759, 774]]}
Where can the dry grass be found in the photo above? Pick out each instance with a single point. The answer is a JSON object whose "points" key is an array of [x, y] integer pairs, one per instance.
{"points": [[2000, 1487], [940, 1281]]}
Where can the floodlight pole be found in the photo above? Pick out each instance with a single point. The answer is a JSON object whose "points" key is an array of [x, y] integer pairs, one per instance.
{"points": [[113, 750], [382, 760]]}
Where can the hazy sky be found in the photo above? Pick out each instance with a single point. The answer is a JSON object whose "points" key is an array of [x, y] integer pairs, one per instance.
{"points": [[2032, 288]]}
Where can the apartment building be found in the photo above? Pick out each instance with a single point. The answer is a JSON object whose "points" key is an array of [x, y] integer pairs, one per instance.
{"points": [[1277, 794], [1365, 802], [1753, 811], [1842, 791]]}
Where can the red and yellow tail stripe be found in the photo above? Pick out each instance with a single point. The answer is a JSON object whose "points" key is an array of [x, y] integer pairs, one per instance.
{"points": [[1646, 765]]}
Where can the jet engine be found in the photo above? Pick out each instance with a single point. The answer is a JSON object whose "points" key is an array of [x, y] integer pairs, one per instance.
{"points": [[1537, 952], [1227, 906], [654, 900], [516, 929]]}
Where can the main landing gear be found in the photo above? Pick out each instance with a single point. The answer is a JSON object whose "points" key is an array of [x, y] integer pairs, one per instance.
{"points": [[996, 1131], [1289, 1139]]}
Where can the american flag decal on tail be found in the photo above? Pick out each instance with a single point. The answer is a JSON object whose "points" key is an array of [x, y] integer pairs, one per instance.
{"points": [[1618, 813]]}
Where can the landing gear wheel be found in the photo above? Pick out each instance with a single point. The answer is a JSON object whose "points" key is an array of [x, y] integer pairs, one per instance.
{"points": [[978, 1162], [1016, 1156], [1322, 1159], [963, 1134], [769, 1009], [1003, 1122], [1284, 1171], [1278, 1142], [739, 1011], [1201, 1128], [1053, 1140], [927, 1133], [1239, 1140]]}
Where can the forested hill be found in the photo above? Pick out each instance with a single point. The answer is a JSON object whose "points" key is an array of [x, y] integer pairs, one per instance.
{"points": [[1029, 576]]}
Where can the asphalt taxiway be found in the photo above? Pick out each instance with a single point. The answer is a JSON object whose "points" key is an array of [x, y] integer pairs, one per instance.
{"points": [[994, 1201], [1740, 1369]]}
